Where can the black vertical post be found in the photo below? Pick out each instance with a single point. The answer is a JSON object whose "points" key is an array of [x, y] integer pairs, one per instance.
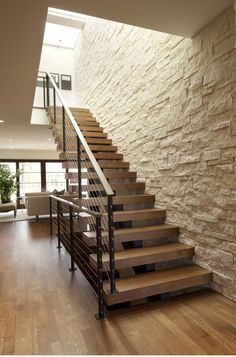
{"points": [[67, 181], [111, 245], [48, 93], [101, 309], [79, 167], [44, 94], [54, 105], [58, 225], [63, 129], [50, 205], [72, 263]]}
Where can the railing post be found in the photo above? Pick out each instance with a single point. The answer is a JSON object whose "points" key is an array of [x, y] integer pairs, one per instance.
{"points": [[79, 167], [111, 245], [44, 96], [50, 205], [67, 181], [63, 129], [101, 308], [58, 226], [54, 105], [72, 263], [48, 91]]}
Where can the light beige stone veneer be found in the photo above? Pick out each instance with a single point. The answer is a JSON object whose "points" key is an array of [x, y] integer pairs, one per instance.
{"points": [[169, 103]]}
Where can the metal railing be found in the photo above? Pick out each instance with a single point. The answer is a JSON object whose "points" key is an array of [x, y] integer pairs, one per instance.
{"points": [[65, 224], [85, 176]]}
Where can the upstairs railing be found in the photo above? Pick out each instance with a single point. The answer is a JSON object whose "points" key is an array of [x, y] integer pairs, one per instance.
{"points": [[87, 181]]}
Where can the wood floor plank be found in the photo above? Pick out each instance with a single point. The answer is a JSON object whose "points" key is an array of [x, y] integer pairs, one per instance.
{"points": [[44, 309]]}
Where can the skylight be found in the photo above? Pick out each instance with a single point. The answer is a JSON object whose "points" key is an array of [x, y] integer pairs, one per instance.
{"points": [[61, 36]]}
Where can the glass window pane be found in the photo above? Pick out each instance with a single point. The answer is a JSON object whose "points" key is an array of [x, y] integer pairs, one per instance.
{"points": [[11, 165], [55, 176], [30, 179]]}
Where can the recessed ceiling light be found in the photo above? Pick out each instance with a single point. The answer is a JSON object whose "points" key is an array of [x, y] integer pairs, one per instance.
{"points": [[1, 121]]}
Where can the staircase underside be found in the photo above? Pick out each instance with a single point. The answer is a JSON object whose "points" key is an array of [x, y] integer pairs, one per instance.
{"points": [[149, 259]]}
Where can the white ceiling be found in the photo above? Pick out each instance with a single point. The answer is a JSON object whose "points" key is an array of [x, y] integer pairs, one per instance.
{"points": [[21, 35]]}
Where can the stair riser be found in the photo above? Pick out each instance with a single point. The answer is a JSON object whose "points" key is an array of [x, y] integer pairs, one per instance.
{"points": [[158, 289]]}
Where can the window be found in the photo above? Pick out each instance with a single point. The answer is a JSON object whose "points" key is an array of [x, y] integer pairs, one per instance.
{"points": [[55, 176], [30, 179]]}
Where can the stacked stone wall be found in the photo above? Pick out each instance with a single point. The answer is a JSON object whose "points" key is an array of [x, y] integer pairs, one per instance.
{"points": [[169, 103]]}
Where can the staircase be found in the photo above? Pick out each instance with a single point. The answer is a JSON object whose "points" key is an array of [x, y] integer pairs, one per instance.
{"points": [[149, 259]]}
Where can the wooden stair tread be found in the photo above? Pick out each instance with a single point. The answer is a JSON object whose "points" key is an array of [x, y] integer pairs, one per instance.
{"points": [[115, 186], [86, 134], [77, 109], [94, 134], [135, 215], [146, 255], [103, 164], [108, 175], [157, 282], [136, 233], [134, 199], [98, 155], [90, 140], [99, 141], [81, 121], [103, 148], [82, 127], [93, 148], [147, 230], [142, 214]]}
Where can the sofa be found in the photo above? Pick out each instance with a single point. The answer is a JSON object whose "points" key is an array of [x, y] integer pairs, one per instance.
{"points": [[37, 203], [7, 207]]}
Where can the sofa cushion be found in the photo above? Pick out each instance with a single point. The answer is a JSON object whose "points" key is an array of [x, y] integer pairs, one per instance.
{"points": [[56, 192]]}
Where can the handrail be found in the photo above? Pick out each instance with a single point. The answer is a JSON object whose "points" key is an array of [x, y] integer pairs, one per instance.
{"points": [[87, 149], [78, 207]]}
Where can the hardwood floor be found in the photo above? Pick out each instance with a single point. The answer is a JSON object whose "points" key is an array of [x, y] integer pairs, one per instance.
{"points": [[44, 309]]}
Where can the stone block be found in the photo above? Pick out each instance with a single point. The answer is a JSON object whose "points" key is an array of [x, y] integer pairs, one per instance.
{"points": [[211, 155], [188, 159]]}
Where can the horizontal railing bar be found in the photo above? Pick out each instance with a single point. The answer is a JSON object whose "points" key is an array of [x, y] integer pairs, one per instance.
{"points": [[77, 207], [94, 162]]}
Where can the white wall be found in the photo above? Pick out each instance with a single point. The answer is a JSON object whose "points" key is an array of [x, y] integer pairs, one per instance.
{"points": [[29, 154], [57, 60]]}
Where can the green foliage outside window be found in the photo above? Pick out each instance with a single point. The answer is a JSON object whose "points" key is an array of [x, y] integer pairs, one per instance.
{"points": [[8, 184]]}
